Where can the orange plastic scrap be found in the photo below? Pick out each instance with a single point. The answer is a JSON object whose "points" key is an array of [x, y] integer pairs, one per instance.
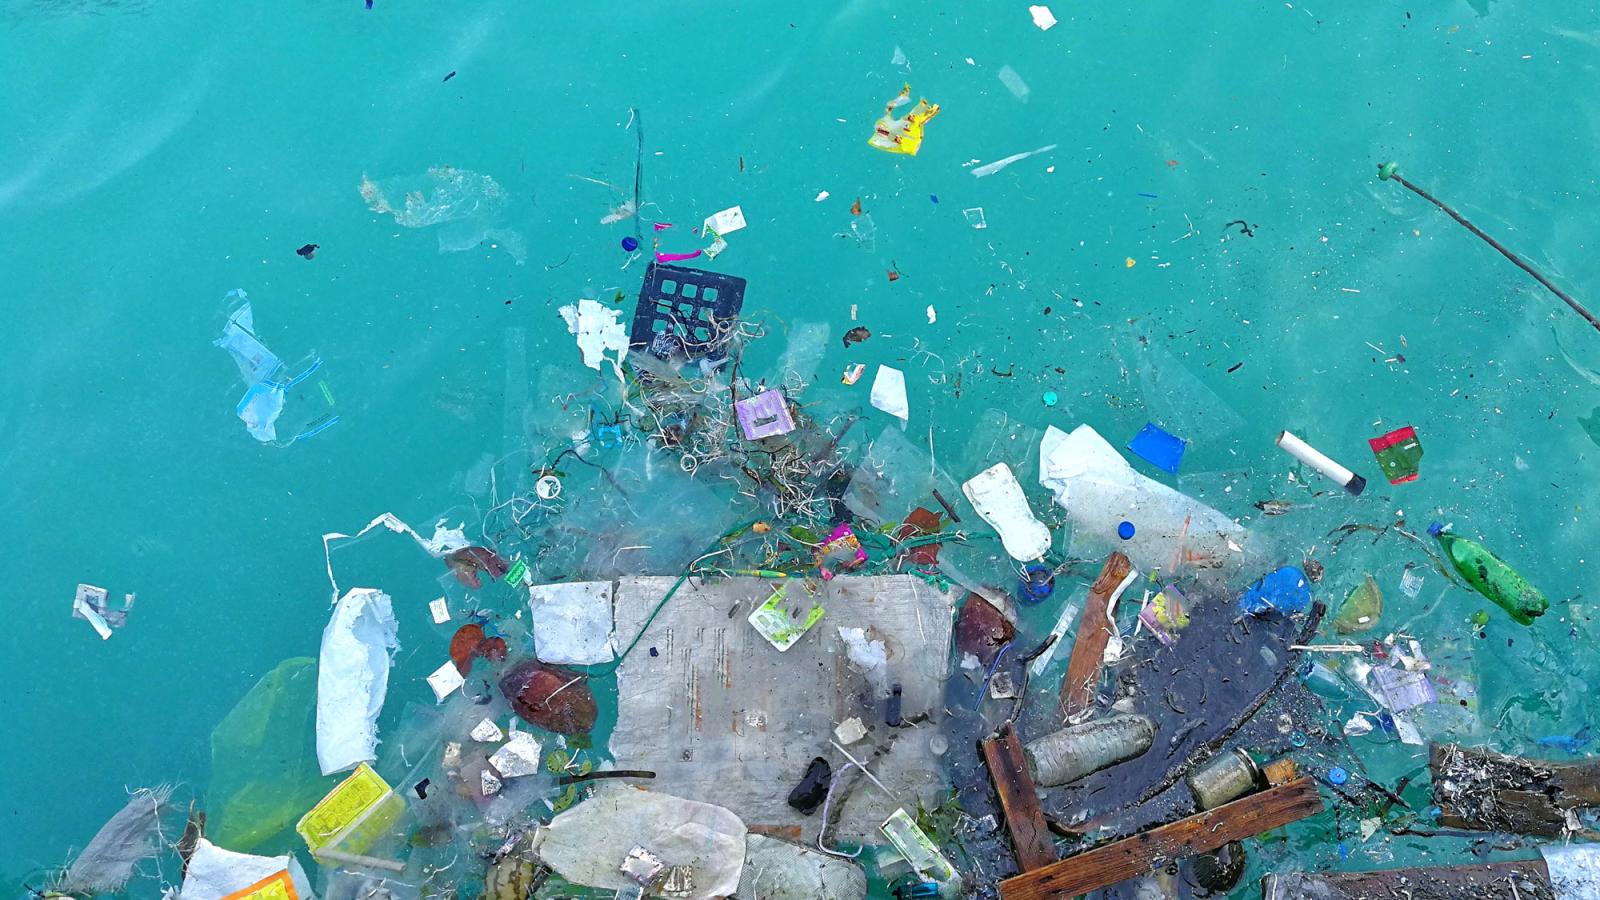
{"points": [[903, 135]]}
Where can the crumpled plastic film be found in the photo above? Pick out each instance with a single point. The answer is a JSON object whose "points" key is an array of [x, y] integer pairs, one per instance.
{"points": [[466, 205], [903, 135], [263, 758]]}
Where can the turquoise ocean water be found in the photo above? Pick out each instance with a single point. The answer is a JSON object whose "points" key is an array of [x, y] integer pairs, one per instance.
{"points": [[156, 155]]}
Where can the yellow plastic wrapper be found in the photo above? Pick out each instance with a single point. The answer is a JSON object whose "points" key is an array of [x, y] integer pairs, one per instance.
{"points": [[902, 135]]}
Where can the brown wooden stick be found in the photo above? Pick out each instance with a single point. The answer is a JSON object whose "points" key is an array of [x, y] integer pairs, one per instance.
{"points": [[1089, 646], [1488, 881], [1199, 833], [1019, 800], [1488, 791]]}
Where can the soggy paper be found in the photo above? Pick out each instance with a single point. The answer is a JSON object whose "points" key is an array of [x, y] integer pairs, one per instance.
{"points": [[599, 329], [889, 393], [353, 678]]}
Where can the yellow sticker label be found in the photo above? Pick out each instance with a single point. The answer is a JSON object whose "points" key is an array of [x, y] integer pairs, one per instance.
{"points": [[277, 886], [343, 806]]}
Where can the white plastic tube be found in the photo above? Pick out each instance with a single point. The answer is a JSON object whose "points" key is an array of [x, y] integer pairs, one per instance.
{"points": [[1315, 458]]}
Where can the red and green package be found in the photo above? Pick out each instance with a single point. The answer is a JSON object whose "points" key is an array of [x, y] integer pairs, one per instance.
{"points": [[1398, 454]]}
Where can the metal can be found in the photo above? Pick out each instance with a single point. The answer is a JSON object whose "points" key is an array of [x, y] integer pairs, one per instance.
{"points": [[1227, 776], [1071, 753]]}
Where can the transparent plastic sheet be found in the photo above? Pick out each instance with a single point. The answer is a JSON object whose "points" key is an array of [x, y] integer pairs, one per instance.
{"points": [[467, 208], [650, 517], [808, 343], [1175, 397], [264, 772]]}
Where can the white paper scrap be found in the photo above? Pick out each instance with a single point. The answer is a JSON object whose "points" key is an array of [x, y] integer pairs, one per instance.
{"points": [[1042, 17], [850, 730], [727, 221], [440, 609], [445, 680], [889, 393]]}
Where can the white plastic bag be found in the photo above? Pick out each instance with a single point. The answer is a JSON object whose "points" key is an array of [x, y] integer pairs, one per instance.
{"points": [[998, 498], [1100, 491]]}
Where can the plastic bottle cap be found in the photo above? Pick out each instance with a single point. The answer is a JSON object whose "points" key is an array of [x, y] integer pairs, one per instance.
{"points": [[1050, 398], [1435, 528], [1338, 775], [1125, 530], [1298, 739], [630, 244]]}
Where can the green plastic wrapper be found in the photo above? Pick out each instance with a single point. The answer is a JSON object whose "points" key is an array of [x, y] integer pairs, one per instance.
{"points": [[1361, 610], [1492, 578], [264, 773]]}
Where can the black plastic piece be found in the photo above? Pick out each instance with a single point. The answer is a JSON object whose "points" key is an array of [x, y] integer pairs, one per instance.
{"points": [[892, 710], [813, 788], [687, 311]]}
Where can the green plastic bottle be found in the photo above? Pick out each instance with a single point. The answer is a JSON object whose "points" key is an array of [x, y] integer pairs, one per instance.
{"points": [[1491, 577]]}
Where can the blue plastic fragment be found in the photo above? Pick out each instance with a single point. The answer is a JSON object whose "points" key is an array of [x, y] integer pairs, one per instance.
{"points": [[1286, 590], [1568, 743], [934, 197], [1125, 531], [1151, 196], [1337, 775], [1158, 448], [1039, 583]]}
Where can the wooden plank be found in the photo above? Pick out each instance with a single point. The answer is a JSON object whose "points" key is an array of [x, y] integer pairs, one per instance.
{"points": [[1487, 791], [1199, 833], [1089, 646], [1019, 801], [1522, 880]]}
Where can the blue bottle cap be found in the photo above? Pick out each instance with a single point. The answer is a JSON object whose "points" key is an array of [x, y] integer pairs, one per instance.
{"points": [[1435, 528], [1125, 530], [630, 243], [1337, 775]]}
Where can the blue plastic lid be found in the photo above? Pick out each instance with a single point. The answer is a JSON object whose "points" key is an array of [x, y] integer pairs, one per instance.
{"points": [[1435, 528], [1337, 775], [1125, 530], [630, 243]]}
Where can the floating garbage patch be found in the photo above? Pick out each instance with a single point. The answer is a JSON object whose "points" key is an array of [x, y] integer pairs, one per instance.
{"points": [[712, 631]]}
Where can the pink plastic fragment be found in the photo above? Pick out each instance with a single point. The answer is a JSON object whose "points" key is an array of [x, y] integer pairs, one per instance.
{"points": [[675, 257]]}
